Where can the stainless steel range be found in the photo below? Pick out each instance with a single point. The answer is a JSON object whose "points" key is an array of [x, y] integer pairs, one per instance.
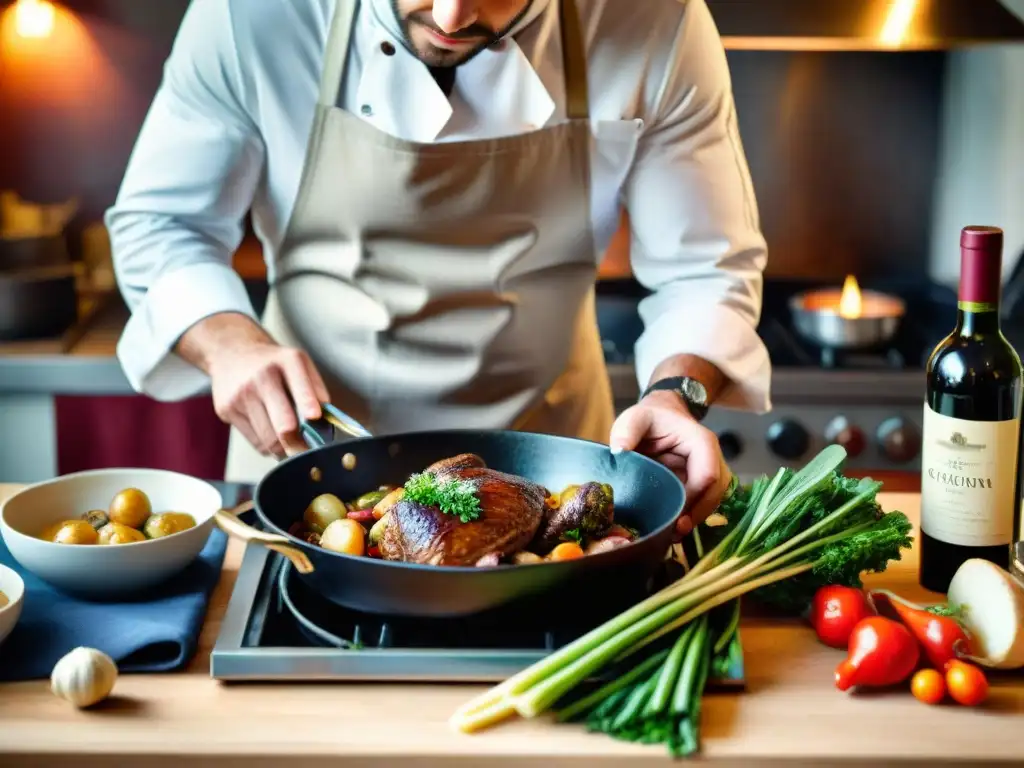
{"points": [[870, 402], [276, 629]]}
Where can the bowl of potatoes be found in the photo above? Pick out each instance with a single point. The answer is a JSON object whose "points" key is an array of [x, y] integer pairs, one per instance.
{"points": [[109, 533]]}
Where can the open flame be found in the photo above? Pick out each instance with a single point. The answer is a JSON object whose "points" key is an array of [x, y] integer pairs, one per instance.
{"points": [[851, 305]]}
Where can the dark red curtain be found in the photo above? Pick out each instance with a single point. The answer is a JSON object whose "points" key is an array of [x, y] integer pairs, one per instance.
{"points": [[134, 431]]}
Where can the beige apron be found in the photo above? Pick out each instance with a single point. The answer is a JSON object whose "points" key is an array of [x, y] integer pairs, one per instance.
{"points": [[444, 285]]}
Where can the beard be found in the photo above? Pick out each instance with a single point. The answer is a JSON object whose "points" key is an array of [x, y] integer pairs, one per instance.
{"points": [[436, 56]]}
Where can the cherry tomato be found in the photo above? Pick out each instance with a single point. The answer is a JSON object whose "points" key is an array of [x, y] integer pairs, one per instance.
{"points": [[928, 686], [966, 683], [835, 611]]}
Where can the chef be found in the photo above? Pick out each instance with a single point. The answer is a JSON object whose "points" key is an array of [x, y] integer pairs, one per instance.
{"points": [[434, 184]]}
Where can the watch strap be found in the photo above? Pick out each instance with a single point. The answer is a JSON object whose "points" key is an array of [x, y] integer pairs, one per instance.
{"points": [[683, 386]]}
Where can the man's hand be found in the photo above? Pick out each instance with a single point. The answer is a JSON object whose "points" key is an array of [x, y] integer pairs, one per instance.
{"points": [[660, 426], [257, 384]]}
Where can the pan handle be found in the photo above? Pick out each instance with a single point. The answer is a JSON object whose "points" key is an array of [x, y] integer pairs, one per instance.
{"points": [[324, 431], [229, 522]]}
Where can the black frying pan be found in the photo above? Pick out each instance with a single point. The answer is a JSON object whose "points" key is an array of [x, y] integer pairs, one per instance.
{"points": [[648, 497]]}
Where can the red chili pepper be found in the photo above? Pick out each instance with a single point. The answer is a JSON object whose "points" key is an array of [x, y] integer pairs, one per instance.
{"points": [[882, 653], [362, 516], [373, 552], [940, 636], [835, 611]]}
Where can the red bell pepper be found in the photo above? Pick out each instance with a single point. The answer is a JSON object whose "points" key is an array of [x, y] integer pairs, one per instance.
{"points": [[941, 637], [882, 652]]}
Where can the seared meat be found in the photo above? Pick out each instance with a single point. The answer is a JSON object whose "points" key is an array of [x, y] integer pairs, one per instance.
{"points": [[455, 463], [511, 511], [586, 510]]}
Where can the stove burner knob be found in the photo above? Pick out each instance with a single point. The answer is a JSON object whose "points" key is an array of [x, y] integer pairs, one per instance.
{"points": [[841, 432], [730, 444], [788, 440], [899, 440]]}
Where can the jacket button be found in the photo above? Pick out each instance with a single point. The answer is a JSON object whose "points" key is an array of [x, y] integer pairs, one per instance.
{"points": [[387, 48]]}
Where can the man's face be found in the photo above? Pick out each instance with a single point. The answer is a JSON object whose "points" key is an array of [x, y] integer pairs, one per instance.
{"points": [[446, 33]]}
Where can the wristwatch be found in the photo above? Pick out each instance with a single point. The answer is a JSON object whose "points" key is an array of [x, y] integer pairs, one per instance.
{"points": [[690, 390]]}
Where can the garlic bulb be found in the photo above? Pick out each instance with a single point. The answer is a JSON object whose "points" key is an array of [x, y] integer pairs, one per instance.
{"points": [[84, 677]]}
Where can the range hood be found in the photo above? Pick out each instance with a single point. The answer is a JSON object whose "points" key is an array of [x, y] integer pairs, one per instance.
{"points": [[864, 25]]}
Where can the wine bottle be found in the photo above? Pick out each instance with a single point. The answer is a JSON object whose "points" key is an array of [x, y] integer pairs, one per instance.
{"points": [[970, 493]]}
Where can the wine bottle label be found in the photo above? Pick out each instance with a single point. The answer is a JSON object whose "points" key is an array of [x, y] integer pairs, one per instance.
{"points": [[968, 479]]}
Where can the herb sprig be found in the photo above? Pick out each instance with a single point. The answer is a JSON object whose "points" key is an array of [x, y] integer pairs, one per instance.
{"points": [[453, 496]]}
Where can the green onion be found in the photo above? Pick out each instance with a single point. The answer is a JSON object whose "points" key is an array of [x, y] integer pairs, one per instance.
{"points": [[785, 536]]}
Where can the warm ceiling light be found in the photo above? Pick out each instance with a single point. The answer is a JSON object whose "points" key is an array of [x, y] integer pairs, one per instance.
{"points": [[897, 22], [33, 18]]}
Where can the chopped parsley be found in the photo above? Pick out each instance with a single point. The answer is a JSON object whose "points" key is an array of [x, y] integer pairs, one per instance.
{"points": [[452, 496], [573, 534]]}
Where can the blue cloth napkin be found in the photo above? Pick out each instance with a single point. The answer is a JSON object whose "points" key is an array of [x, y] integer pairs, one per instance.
{"points": [[157, 634]]}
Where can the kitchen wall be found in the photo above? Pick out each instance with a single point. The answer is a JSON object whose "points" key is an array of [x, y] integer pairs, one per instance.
{"points": [[843, 150], [981, 168], [842, 146]]}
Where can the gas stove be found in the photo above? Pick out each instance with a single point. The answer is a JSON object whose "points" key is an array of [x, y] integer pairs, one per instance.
{"points": [[869, 401], [276, 629]]}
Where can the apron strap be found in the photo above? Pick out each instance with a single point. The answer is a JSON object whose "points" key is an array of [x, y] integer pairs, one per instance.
{"points": [[336, 54], [574, 62]]}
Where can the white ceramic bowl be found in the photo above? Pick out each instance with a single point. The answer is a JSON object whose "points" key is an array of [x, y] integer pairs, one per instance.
{"points": [[14, 589], [107, 571]]}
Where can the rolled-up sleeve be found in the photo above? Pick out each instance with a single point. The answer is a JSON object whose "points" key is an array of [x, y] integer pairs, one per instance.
{"points": [[696, 239], [179, 214]]}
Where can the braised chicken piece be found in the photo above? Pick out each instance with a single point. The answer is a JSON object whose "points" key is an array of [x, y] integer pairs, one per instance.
{"points": [[511, 510], [584, 511]]}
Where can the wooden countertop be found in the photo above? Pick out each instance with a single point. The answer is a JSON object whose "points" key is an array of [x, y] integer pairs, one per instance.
{"points": [[791, 712]]}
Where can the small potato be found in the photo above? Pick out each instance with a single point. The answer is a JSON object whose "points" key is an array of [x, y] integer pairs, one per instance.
{"points": [[322, 511], [76, 532], [345, 536], [607, 544], [526, 558], [620, 530], [130, 507], [49, 533], [115, 533], [167, 523]]}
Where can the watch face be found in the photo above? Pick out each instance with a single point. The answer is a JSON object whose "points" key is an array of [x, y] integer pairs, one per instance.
{"points": [[693, 390]]}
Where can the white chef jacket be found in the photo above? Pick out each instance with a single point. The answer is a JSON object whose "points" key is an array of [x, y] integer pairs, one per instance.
{"points": [[229, 125]]}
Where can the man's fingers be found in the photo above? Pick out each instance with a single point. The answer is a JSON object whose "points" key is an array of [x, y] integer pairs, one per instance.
{"points": [[241, 423], [703, 462], [675, 462], [319, 388], [707, 502], [630, 428], [300, 386], [278, 405], [266, 436]]}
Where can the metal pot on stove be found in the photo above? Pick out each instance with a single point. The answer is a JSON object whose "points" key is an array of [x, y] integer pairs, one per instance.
{"points": [[847, 318], [37, 275]]}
